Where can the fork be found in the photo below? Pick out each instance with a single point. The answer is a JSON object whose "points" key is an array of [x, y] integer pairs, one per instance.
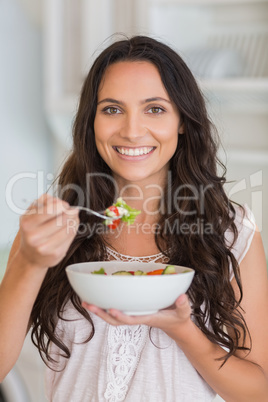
{"points": [[91, 211]]}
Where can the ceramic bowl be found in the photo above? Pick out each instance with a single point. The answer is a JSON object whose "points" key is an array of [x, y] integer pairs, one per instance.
{"points": [[134, 295]]}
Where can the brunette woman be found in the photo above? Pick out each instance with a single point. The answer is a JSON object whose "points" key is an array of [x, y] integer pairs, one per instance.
{"points": [[142, 132]]}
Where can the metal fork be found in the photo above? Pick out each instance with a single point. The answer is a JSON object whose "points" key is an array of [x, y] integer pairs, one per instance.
{"points": [[91, 211]]}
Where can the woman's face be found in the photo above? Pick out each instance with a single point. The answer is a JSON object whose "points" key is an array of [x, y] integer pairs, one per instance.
{"points": [[136, 124]]}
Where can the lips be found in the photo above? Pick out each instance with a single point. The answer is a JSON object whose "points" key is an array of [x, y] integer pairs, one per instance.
{"points": [[137, 151]]}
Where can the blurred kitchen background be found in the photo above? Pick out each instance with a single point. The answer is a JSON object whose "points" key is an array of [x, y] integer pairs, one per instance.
{"points": [[46, 50]]}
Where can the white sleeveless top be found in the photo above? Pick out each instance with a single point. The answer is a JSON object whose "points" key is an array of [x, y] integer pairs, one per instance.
{"points": [[123, 363]]}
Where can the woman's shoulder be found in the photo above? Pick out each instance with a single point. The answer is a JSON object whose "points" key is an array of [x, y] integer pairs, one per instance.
{"points": [[246, 226], [244, 217]]}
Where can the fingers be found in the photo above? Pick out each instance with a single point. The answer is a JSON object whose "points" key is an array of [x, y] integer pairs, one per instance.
{"points": [[43, 210], [47, 230], [125, 319], [183, 307], [181, 301], [39, 231], [57, 240], [101, 313], [167, 319], [116, 317]]}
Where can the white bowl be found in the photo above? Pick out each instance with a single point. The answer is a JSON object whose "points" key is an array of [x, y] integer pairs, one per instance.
{"points": [[134, 295]]}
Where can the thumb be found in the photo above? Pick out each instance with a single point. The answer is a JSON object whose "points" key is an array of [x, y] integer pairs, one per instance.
{"points": [[183, 306], [181, 300]]}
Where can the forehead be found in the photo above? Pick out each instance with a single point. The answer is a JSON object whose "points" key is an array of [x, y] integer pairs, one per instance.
{"points": [[138, 76]]}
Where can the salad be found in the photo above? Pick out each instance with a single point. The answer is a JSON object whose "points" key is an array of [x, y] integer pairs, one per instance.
{"points": [[169, 269], [120, 208]]}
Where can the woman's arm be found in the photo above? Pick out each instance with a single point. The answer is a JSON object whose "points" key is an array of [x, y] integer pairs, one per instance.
{"points": [[42, 241], [18, 291], [239, 380]]}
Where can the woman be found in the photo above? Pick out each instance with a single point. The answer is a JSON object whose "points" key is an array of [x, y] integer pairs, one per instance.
{"points": [[142, 132]]}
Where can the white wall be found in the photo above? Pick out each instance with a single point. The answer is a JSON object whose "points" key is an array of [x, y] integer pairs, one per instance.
{"points": [[23, 132]]}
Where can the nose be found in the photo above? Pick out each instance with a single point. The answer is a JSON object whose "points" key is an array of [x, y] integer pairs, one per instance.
{"points": [[132, 127]]}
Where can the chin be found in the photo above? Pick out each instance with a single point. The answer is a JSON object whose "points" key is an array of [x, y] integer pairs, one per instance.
{"points": [[134, 178]]}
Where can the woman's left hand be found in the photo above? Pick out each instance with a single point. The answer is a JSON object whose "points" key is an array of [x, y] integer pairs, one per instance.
{"points": [[169, 320]]}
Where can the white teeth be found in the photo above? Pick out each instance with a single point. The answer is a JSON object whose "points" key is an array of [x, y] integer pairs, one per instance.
{"points": [[134, 151]]}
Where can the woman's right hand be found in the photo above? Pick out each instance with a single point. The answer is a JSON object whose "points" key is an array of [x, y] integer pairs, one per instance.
{"points": [[47, 230]]}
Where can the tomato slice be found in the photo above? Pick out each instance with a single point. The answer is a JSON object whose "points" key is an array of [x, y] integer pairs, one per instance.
{"points": [[115, 212], [155, 272], [114, 224]]}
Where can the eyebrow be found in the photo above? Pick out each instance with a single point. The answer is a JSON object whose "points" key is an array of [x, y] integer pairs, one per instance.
{"points": [[118, 102]]}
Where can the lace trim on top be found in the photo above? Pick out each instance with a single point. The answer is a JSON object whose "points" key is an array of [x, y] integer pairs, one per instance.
{"points": [[112, 254], [125, 343]]}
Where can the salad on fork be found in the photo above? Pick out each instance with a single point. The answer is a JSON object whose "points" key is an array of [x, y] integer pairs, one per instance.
{"points": [[121, 210]]}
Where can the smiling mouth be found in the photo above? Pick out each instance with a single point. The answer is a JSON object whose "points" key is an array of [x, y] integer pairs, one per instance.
{"points": [[134, 151]]}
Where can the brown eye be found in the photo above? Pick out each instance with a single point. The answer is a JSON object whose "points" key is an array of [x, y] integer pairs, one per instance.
{"points": [[155, 110], [113, 110]]}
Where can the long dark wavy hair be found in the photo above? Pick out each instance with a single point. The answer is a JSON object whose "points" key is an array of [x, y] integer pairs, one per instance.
{"points": [[194, 165]]}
